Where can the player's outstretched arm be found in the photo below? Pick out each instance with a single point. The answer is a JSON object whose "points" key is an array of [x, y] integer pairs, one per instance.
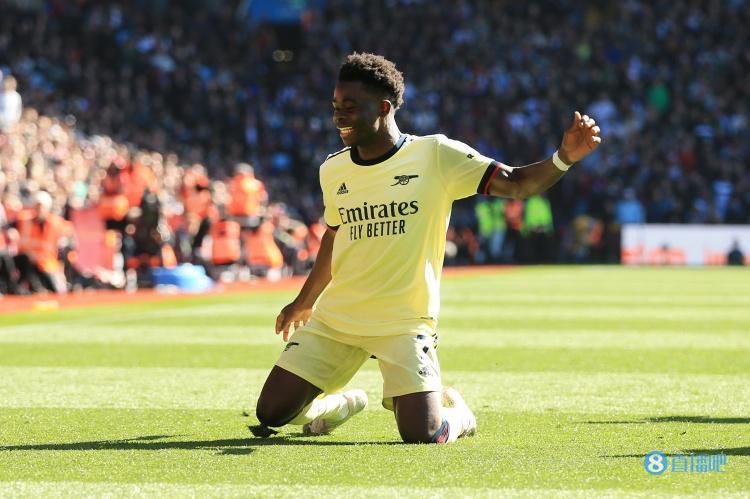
{"points": [[299, 311], [579, 140]]}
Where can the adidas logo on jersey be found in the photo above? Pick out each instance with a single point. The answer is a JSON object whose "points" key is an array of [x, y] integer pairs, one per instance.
{"points": [[343, 189]]}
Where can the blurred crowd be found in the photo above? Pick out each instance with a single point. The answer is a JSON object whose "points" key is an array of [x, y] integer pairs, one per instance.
{"points": [[210, 90], [146, 210]]}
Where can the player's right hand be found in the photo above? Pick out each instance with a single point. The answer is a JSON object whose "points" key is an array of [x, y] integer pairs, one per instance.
{"points": [[292, 314]]}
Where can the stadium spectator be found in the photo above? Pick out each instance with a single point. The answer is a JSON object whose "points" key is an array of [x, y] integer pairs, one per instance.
{"points": [[735, 255], [8, 273], [262, 253], [584, 239], [113, 207], [538, 230], [225, 247], [151, 238], [39, 233], [113, 204], [629, 209], [491, 229], [289, 236], [514, 214], [199, 208], [248, 196], [10, 103]]}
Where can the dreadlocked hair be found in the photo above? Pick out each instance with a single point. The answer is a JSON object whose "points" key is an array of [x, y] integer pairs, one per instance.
{"points": [[374, 71]]}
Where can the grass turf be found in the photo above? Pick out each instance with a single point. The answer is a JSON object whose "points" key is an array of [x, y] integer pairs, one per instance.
{"points": [[574, 374]]}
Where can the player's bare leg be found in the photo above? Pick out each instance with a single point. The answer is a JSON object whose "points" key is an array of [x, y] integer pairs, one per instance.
{"points": [[433, 417], [283, 397], [288, 399]]}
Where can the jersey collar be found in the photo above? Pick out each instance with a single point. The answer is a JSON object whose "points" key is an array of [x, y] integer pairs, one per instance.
{"points": [[374, 161]]}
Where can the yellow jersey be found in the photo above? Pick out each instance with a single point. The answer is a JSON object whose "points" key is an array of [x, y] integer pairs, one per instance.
{"points": [[391, 216]]}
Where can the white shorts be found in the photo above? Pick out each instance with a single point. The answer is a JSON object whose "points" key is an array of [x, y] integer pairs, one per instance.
{"points": [[329, 359]]}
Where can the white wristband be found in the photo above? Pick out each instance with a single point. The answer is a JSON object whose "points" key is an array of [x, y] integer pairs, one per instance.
{"points": [[560, 164]]}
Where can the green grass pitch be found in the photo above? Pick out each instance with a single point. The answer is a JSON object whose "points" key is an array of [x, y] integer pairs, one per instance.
{"points": [[574, 375]]}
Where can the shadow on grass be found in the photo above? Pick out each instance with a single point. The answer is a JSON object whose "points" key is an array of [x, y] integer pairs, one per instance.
{"points": [[733, 451], [679, 419], [729, 451], [232, 446]]}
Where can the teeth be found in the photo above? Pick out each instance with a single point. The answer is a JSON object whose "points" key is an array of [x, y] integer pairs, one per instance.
{"points": [[345, 129]]}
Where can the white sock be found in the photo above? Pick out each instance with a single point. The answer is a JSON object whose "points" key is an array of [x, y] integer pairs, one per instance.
{"points": [[457, 419], [327, 406]]}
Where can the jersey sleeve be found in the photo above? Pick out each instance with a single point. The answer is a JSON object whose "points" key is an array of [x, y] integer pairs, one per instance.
{"points": [[330, 210], [464, 170]]}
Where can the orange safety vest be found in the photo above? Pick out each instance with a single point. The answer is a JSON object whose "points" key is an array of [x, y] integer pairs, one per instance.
{"points": [[113, 204], [225, 237], [261, 249], [246, 193], [40, 241], [190, 179], [198, 203], [113, 207], [135, 180]]}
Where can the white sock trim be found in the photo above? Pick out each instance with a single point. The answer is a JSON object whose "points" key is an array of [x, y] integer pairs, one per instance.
{"points": [[321, 407]]}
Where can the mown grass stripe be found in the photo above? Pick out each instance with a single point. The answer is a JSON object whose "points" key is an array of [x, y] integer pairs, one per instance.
{"points": [[533, 313], [484, 357], [187, 334], [34, 490], [144, 334], [674, 299], [598, 339], [615, 325], [151, 388]]}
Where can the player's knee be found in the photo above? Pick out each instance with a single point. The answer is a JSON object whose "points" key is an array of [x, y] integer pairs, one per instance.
{"points": [[420, 433], [268, 416]]}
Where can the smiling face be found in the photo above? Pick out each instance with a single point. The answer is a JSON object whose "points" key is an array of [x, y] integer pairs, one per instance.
{"points": [[359, 113]]}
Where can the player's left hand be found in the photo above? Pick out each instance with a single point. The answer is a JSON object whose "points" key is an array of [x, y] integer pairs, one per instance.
{"points": [[580, 139]]}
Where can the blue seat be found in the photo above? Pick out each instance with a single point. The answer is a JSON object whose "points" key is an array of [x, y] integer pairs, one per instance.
{"points": [[186, 277]]}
